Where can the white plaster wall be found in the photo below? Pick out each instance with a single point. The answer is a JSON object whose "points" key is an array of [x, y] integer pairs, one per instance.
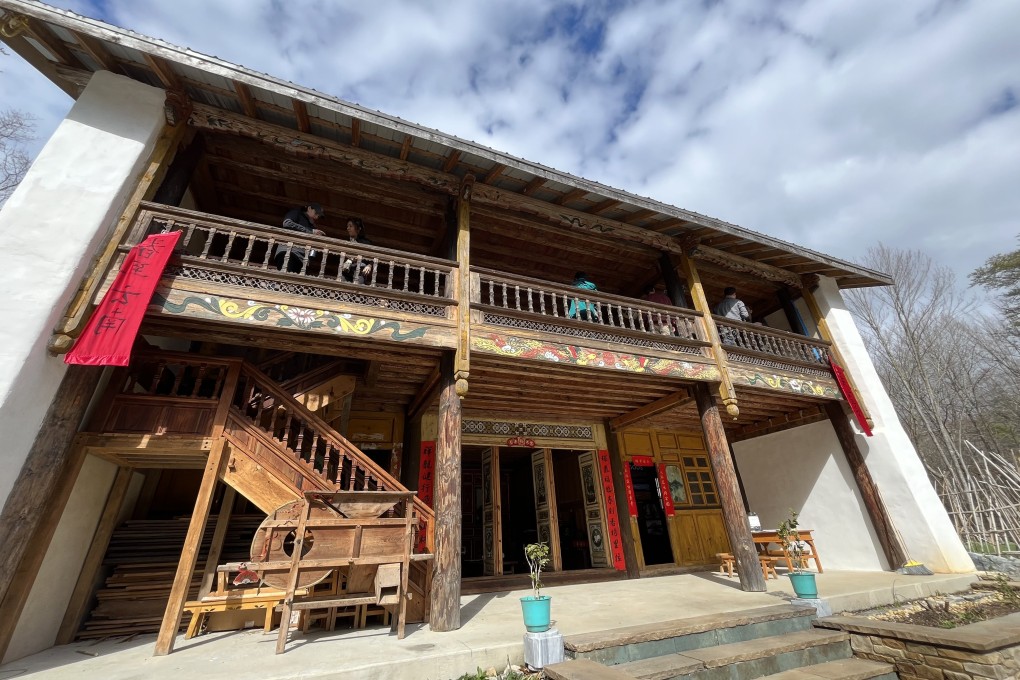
{"points": [[44, 610], [50, 229], [913, 506], [804, 469]]}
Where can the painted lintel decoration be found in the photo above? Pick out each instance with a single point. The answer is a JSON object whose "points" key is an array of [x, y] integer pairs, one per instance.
{"points": [[111, 331], [851, 398], [799, 384], [521, 441], [282, 316], [504, 428], [543, 350], [612, 520]]}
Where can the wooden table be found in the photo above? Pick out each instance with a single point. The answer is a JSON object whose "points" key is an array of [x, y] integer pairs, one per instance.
{"points": [[764, 539]]}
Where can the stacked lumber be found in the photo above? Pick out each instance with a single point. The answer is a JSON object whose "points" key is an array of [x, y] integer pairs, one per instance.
{"points": [[141, 563]]}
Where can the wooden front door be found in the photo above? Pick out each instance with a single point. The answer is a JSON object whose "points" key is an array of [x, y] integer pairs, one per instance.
{"points": [[545, 505], [492, 527], [591, 489]]}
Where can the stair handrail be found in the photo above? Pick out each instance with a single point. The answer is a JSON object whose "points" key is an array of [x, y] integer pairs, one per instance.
{"points": [[326, 431]]}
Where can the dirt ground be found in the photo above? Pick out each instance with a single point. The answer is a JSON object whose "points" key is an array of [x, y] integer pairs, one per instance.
{"points": [[951, 611]]}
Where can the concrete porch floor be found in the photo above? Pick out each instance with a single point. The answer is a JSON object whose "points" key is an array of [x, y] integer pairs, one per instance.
{"points": [[491, 632]]}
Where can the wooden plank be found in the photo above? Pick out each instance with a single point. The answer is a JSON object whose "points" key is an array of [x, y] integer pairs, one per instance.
{"points": [[78, 605], [405, 148], [189, 557], [22, 521], [892, 545], [667, 403], [737, 528], [216, 547], [43, 520], [445, 594], [301, 111], [462, 359]]}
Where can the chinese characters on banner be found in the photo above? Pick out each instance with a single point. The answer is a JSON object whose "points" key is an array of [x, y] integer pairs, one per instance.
{"points": [[667, 495], [612, 521], [426, 484], [628, 488], [110, 333]]}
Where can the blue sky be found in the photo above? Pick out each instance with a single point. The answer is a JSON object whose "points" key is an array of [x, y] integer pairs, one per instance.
{"points": [[834, 125]]}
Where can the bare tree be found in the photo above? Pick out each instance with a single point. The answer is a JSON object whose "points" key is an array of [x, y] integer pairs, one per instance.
{"points": [[16, 128]]}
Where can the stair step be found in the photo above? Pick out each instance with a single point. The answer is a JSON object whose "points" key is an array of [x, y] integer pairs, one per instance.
{"points": [[746, 659], [843, 669], [584, 669], [633, 643]]}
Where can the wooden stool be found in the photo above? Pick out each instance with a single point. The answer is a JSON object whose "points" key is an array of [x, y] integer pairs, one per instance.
{"points": [[726, 563], [367, 610], [768, 566]]}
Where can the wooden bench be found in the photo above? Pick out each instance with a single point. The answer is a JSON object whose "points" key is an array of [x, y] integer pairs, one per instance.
{"points": [[728, 565], [255, 601]]}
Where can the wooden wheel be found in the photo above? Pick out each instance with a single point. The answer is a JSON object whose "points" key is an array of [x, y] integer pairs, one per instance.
{"points": [[275, 543]]}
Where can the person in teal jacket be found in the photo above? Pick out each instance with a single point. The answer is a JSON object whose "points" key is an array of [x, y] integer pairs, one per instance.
{"points": [[578, 307]]}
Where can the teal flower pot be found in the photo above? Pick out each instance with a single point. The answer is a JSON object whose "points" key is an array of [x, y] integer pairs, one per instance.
{"points": [[537, 613], [804, 585]]}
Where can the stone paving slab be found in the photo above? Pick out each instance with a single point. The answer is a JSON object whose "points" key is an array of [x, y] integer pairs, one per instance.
{"points": [[984, 636], [844, 669], [723, 655], [583, 669]]}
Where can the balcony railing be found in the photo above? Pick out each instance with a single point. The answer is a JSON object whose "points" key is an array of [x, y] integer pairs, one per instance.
{"points": [[521, 302], [223, 250], [753, 343]]}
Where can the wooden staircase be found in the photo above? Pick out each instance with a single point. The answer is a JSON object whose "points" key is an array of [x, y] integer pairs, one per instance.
{"points": [[276, 448]]}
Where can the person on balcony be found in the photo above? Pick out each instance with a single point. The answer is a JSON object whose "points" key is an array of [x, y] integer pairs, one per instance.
{"points": [[351, 271], [658, 321], [731, 308], [579, 308], [303, 219]]}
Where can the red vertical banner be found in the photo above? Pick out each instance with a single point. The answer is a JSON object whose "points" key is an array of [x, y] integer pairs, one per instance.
{"points": [[426, 484], [667, 496], [628, 488], [612, 519], [110, 333], [848, 394]]}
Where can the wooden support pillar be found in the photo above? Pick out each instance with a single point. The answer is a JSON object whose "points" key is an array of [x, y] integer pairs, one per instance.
{"points": [[178, 176], [44, 521], [82, 595], [51, 453], [462, 360], [675, 288], [726, 390], [627, 529], [216, 547], [737, 528], [887, 536], [189, 556], [792, 315], [445, 595]]}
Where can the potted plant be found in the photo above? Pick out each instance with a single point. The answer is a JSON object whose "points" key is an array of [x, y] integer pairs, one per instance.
{"points": [[537, 607], [802, 580]]}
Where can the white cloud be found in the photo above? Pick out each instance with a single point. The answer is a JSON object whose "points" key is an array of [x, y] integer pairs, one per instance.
{"points": [[831, 124]]}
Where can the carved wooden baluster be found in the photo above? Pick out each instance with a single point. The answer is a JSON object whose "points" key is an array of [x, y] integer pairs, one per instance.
{"points": [[208, 242], [407, 275], [269, 252], [555, 307], [421, 279], [285, 432], [340, 266], [375, 270], [305, 260], [230, 244], [299, 442], [628, 314], [389, 278], [541, 302], [506, 304], [531, 306], [199, 377], [354, 474], [492, 291], [188, 233], [517, 297], [246, 258], [322, 265]]}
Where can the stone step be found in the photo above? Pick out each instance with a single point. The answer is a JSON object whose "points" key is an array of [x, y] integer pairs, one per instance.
{"points": [[746, 659], [843, 669], [634, 643], [584, 669]]}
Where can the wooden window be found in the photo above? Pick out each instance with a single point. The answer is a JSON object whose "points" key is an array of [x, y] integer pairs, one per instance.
{"points": [[700, 486]]}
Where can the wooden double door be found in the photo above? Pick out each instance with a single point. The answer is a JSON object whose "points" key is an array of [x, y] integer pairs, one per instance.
{"points": [[542, 495]]}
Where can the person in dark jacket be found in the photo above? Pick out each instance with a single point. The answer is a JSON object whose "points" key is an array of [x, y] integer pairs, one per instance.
{"points": [[301, 219], [354, 271]]}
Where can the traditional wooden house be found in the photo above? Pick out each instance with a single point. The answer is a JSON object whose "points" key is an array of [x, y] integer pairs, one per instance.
{"points": [[632, 435]]}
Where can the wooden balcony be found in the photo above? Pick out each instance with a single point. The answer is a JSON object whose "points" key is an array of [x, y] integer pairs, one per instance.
{"points": [[225, 273]]}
